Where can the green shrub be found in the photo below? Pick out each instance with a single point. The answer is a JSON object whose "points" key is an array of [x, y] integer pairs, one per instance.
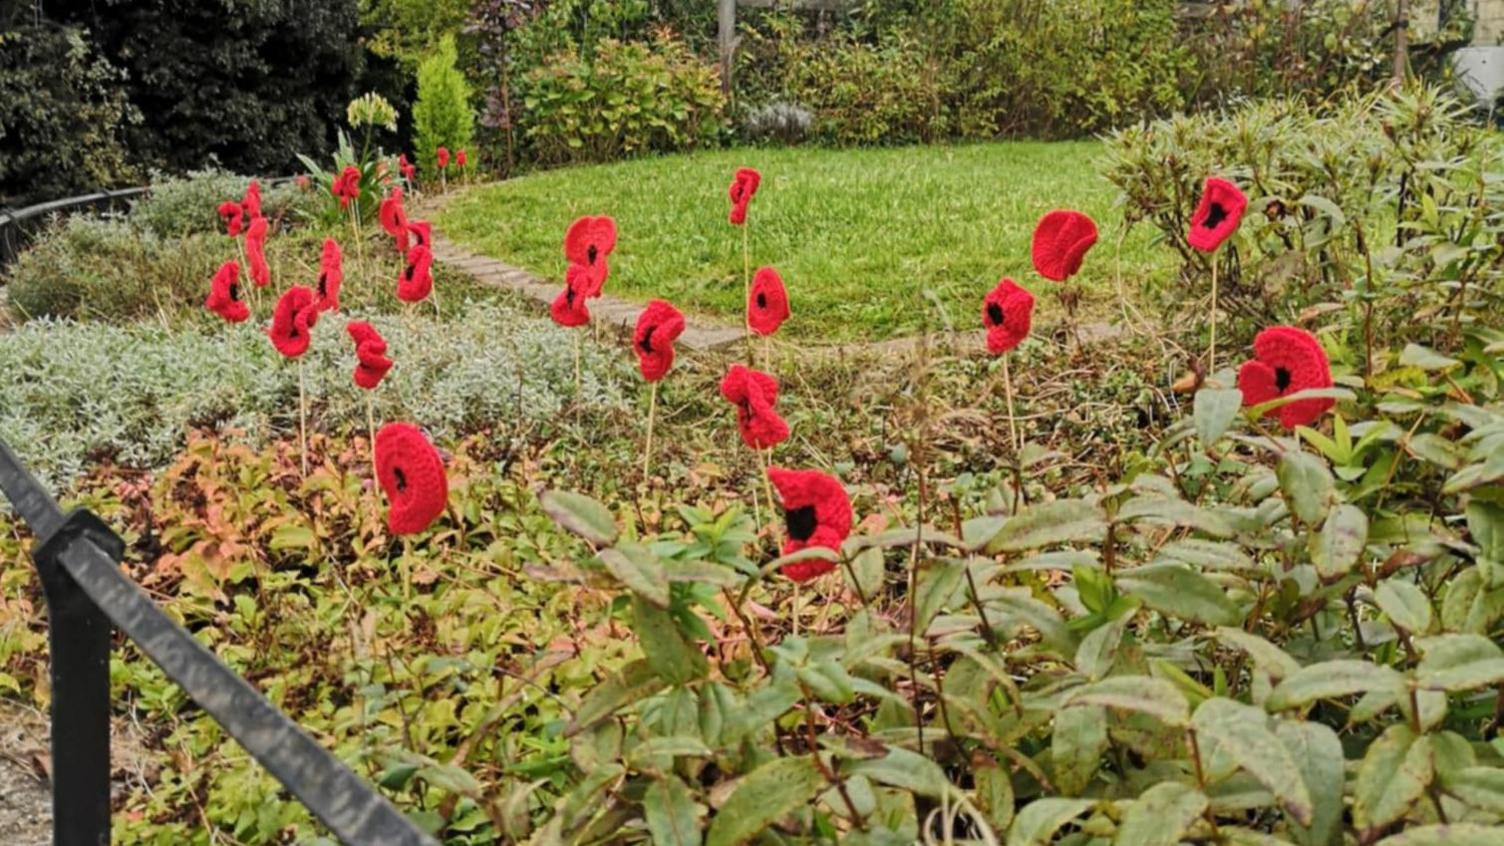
{"points": [[442, 115], [1347, 207], [62, 116], [626, 100], [183, 205], [862, 94], [71, 393]]}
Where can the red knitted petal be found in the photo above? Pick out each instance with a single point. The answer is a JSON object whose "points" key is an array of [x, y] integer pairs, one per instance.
{"points": [[224, 294], [590, 240], [291, 321], [1217, 215], [1061, 240], [370, 354], [411, 472], [743, 188], [767, 302], [416, 281], [232, 215], [1288, 360], [422, 232], [659, 325], [568, 309], [1008, 314], [818, 512]]}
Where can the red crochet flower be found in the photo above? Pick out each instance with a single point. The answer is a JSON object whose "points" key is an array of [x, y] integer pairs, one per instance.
{"points": [[251, 202], [255, 252], [767, 302], [411, 472], [346, 186], [1007, 312], [297, 311], [331, 276], [589, 241], [394, 219], [422, 232], [416, 281], [754, 394], [658, 327], [409, 170], [371, 363], [743, 186], [443, 157], [224, 294], [1287, 360], [569, 309], [232, 216], [817, 512], [460, 158], [1217, 215], [1061, 240]]}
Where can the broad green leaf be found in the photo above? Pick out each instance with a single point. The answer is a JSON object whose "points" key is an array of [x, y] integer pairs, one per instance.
{"points": [[635, 682], [1331, 679], [673, 747], [1214, 412], [1050, 523], [581, 515], [1171, 511], [1458, 662], [1099, 648], [1317, 751], [828, 680], [1202, 554], [1268, 657], [939, 579], [979, 531], [664, 645], [1469, 605], [764, 796], [1408, 606], [1037, 823], [994, 792], [1326, 207], [1242, 733], [1307, 485], [1415, 355], [1485, 522], [1459, 834], [1431, 447], [1076, 747], [1482, 787], [1161, 815], [1338, 545], [635, 566], [1395, 772], [672, 816], [1143, 694], [867, 569], [905, 770], [1254, 412], [1180, 592]]}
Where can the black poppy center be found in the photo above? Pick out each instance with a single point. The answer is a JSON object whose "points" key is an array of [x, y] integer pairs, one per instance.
{"points": [[801, 522], [591, 253], [323, 284], [400, 477], [292, 332], [234, 292], [569, 294], [647, 340], [1215, 215], [1281, 379], [995, 314], [762, 300], [407, 273]]}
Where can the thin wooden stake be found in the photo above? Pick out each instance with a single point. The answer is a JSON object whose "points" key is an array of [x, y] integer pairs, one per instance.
{"points": [[303, 416], [1018, 475], [371, 427], [747, 285], [1211, 359], [647, 450]]}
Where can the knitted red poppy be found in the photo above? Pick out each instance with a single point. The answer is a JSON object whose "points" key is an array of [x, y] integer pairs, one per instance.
{"points": [[460, 158], [590, 241], [224, 294], [1007, 312], [255, 252], [251, 202], [346, 186], [297, 311], [331, 276], [569, 309], [422, 232], [1217, 215], [394, 219], [232, 216], [659, 325], [409, 170], [743, 186], [411, 472], [767, 302], [443, 154], [817, 512], [754, 394], [416, 281], [371, 363], [1061, 240], [1287, 360]]}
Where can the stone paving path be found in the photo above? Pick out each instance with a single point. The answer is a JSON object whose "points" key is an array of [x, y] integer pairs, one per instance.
{"points": [[611, 312]]}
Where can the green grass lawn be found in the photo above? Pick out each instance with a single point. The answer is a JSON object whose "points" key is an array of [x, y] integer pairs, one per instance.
{"points": [[858, 235]]}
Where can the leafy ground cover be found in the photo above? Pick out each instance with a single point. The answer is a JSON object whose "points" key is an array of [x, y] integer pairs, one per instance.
{"points": [[860, 236]]}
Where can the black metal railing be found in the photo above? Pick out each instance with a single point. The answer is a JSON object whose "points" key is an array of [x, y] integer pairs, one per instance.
{"points": [[17, 226], [77, 557]]}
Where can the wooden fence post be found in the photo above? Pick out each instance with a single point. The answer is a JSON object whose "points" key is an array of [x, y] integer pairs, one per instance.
{"points": [[726, 39]]}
